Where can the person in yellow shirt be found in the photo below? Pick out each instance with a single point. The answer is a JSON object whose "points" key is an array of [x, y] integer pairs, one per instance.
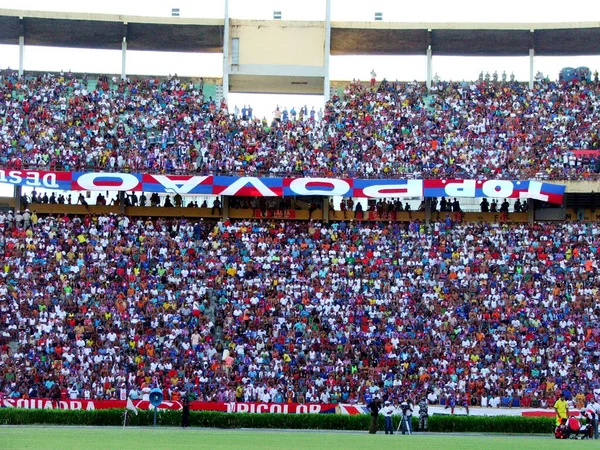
{"points": [[580, 400], [562, 410]]}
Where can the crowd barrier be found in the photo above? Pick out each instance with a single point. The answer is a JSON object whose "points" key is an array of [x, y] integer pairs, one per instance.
{"points": [[258, 408]]}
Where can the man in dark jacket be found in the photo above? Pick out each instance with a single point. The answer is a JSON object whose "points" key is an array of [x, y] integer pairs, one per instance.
{"points": [[185, 416], [374, 407]]}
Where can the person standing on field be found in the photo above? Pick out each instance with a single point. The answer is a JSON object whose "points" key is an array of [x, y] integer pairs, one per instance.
{"points": [[562, 410], [185, 414], [388, 412], [374, 407]]}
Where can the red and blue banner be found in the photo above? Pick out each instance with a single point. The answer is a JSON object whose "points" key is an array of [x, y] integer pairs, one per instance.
{"points": [[278, 187], [239, 407]]}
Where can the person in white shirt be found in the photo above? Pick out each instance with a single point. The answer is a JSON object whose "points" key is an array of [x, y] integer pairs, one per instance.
{"points": [[73, 392], [388, 412], [146, 393], [595, 406]]}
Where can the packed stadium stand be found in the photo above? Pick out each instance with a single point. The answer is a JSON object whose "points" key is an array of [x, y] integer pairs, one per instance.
{"points": [[283, 310], [499, 314], [483, 129]]}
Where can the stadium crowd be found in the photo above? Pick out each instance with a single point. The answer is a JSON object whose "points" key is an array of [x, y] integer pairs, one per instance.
{"points": [[481, 129], [102, 307]]}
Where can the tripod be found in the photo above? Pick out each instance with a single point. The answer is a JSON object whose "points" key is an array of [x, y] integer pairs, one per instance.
{"points": [[405, 425]]}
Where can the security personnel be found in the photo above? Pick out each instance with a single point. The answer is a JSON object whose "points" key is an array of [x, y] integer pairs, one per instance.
{"points": [[423, 414]]}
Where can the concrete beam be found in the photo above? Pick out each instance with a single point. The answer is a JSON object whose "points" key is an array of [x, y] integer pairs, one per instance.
{"points": [[275, 70]]}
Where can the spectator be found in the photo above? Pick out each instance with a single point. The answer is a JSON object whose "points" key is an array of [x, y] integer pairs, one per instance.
{"points": [[316, 311]]}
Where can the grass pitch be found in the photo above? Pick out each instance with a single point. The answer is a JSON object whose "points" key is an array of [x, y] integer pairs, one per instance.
{"points": [[65, 438]]}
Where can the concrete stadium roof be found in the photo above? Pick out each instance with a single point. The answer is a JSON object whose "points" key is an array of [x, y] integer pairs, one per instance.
{"points": [[180, 34], [104, 31], [466, 39]]}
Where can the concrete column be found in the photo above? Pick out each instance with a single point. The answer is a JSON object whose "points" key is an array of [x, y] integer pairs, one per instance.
{"points": [[226, 65], [429, 67], [427, 210], [21, 54], [124, 58], [325, 209], [225, 207], [326, 82], [531, 74], [121, 202], [531, 211], [17, 197]]}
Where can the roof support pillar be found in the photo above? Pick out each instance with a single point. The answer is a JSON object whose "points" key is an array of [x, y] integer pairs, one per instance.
{"points": [[21, 54], [429, 68], [531, 55], [123, 58], [17, 194], [226, 65], [427, 210], [326, 82]]}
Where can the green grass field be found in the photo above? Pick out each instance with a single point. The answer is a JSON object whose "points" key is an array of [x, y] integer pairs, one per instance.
{"points": [[88, 438]]}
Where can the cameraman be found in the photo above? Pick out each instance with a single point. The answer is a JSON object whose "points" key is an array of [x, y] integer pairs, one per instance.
{"points": [[407, 411]]}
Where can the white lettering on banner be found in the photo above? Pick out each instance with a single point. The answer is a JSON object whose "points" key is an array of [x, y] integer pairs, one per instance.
{"points": [[262, 408], [274, 408], [534, 192], [49, 181], [465, 188], [88, 181], [412, 188], [32, 178], [338, 187], [45, 404], [308, 409], [179, 186], [14, 177], [238, 184], [497, 188], [302, 409]]}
